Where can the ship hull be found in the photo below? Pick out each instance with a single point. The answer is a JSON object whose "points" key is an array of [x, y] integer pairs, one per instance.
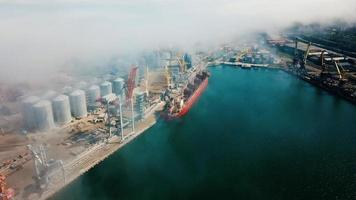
{"points": [[195, 96]]}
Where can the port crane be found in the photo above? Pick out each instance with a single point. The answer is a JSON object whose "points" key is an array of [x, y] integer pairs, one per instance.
{"points": [[324, 56], [305, 57], [298, 62], [45, 168], [167, 76], [340, 71], [181, 62], [130, 86], [242, 53]]}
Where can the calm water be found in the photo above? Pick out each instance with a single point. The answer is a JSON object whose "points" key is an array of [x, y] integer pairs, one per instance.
{"points": [[252, 135]]}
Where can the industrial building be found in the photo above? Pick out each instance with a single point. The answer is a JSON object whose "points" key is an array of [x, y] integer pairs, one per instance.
{"points": [[78, 105], [61, 109]]}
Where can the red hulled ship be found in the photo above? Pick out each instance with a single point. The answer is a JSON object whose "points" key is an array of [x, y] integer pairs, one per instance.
{"points": [[180, 103]]}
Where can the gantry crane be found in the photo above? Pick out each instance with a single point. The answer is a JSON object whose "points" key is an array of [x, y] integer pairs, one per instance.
{"points": [[298, 61], [305, 57], [45, 168], [181, 62], [322, 63], [335, 62], [242, 53], [167, 76]]}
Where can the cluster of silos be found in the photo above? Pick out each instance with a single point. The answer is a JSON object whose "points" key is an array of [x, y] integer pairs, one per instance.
{"points": [[53, 108], [37, 113], [43, 113], [78, 105]]}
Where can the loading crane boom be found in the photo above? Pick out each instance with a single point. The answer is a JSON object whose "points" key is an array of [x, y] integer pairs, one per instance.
{"points": [[306, 55], [131, 84], [298, 60], [338, 70], [181, 62], [44, 168]]}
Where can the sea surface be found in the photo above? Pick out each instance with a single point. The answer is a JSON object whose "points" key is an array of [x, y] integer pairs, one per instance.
{"points": [[253, 134]]}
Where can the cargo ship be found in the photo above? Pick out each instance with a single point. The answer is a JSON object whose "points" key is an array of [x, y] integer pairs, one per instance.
{"points": [[181, 102]]}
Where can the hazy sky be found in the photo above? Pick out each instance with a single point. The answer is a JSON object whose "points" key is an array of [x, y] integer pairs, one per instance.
{"points": [[37, 36]]}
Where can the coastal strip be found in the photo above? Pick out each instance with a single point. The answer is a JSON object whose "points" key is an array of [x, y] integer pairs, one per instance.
{"points": [[90, 158]]}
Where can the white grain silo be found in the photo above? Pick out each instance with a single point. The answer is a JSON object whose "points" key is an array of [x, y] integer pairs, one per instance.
{"points": [[81, 85], [67, 90], [61, 109], [78, 105], [49, 95], [43, 115], [118, 86], [93, 95], [28, 112], [105, 88]]}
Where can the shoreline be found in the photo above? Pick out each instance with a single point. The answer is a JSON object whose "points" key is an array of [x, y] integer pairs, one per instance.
{"points": [[333, 91], [95, 155], [101, 151]]}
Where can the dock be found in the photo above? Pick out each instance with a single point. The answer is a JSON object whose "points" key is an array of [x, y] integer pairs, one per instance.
{"points": [[96, 154]]}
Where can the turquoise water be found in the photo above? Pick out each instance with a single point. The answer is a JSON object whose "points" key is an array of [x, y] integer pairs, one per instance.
{"points": [[253, 134]]}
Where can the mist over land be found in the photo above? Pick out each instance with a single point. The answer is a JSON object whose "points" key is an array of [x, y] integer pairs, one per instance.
{"points": [[38, 38]]}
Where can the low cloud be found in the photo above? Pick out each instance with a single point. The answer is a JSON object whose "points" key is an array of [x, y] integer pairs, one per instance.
{"points": [[37, 37]]}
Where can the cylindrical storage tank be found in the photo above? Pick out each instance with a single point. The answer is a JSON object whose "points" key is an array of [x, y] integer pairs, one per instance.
{"points": [[95, 81], [118, 85], [49, 95], [78, 105], [28, 112], [81, 85], [67, 90], [105, 88], [43, 115], [61, 109], [93, 94]]}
